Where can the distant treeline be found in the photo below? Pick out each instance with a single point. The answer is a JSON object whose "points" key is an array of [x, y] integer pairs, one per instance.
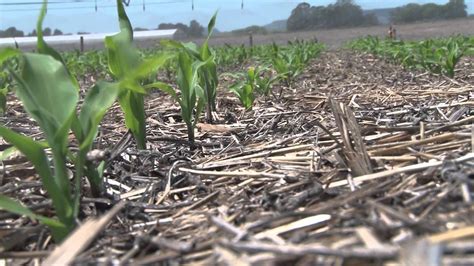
{"points": [[342, 14], [193, 30], [345, 13], [251, 29], [13, 32], [416, 12]]}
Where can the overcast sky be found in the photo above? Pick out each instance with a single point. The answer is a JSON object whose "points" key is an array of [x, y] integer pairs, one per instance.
{"points": [[79, 15]]}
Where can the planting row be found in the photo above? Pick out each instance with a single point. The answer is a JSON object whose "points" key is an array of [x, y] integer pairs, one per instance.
{"points": [[46, 83], [271, 64], [435, 55]]}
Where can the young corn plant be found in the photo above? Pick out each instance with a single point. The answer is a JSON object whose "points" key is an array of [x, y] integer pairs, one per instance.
{"points": [[245, 89], [290, 62], [435, 55], [50, 98], [127, 66], [256, 80], [207, 72], [452, 55], [191, 98], [4, 88], [6, 80], [49, 94]]}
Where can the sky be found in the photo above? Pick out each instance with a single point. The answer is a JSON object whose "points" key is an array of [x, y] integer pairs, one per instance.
{"points": [[71, 16]]}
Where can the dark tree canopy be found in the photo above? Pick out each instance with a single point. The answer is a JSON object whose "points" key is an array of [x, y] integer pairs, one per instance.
{"points": [[193, 30], [344, 13], [11, 32], [251, 30], [415, 12], [57, 32]]}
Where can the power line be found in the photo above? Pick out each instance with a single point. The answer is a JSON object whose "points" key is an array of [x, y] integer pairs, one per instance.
{"points": [[96, 6], [111, 5], [40, 3]]}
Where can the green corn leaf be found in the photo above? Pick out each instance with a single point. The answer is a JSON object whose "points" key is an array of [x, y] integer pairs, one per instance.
{"points": [[34, 151], [122, 55], [212, 23], [7, 53], [244, 91], [167, 43], [41, 44], [49, 96], [151, 65], [44, 48], [245, 94], [51, 104], [189, 101], [98, 100], [126, 65], [58, 229], [186, 82], [134, 111], [163, 87], [125, 25], [96, 103], [189, 47], [251, 74], [3, 100], [200, 104], [7, 153]]}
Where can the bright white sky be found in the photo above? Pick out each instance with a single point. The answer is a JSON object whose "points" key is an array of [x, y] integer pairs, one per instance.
{"points": [[72, 16]]}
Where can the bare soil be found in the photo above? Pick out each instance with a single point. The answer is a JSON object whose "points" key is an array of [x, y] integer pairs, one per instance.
{"points": [[360, 162], [335, 38]]}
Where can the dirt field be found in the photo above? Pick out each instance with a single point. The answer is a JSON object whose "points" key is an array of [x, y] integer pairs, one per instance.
{"points": [[337, 37], [332, 38], [278, 185], [358, 162]]}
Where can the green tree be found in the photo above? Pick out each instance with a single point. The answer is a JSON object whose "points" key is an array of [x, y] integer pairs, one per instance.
{"points": [[57, 32], [140, 29], [195, 29], [47, 32], [344, 13], [11, 32], [415, 12], [300, 17], [455, 9]]}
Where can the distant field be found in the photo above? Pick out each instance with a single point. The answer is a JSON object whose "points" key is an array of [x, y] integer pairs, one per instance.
{"points": [[337, 37], [333, 38]]}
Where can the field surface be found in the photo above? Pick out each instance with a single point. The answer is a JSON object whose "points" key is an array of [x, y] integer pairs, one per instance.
{"points": [[270, 185], [332, 38], [337, 37]]}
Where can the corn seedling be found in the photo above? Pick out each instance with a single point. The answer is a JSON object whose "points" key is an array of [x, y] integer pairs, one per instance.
{"points": [[207, 72], [4, 88], [127, 66], [6, 80], [191, 98], [437, 55], [256, 80], [50, 95], [290, 61], [245, 89]]}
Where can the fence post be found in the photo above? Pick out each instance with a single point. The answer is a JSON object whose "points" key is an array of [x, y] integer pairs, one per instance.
{"points": [[81, 41], [251, 43]]}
